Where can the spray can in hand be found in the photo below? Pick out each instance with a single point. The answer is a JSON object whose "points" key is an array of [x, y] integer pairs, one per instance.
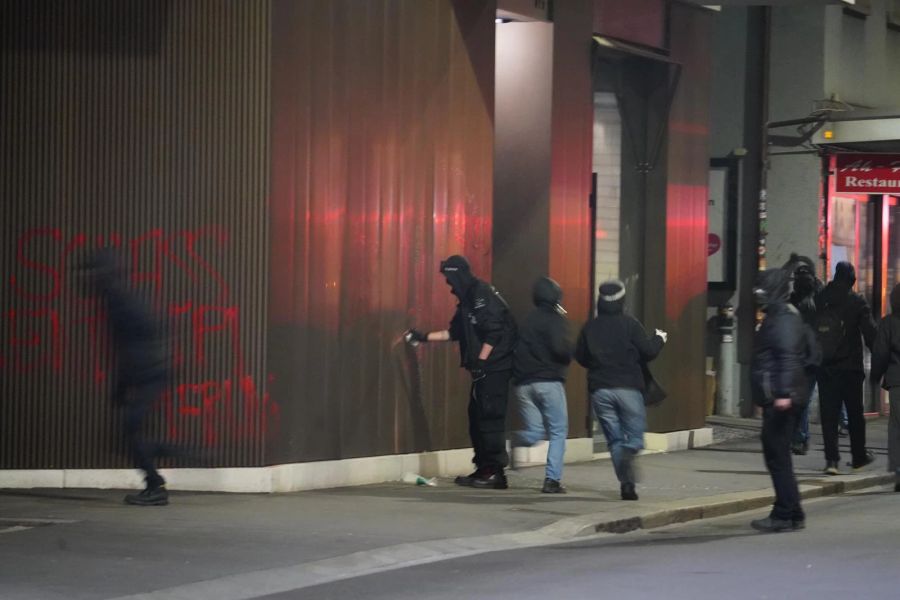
{"points": [[414, 337]]}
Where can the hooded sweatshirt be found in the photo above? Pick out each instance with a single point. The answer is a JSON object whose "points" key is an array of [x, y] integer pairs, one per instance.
{"points": [[137, 334], [855, 315], [886, 349], [612, 345], [544, 350], [780, 346], [482, 317]]}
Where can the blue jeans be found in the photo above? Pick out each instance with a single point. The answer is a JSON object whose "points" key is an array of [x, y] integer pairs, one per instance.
{"points": [[623, 418], [801, 429], [545, 415]]}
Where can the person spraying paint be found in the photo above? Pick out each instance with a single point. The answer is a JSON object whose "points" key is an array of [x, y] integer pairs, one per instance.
{"points": [[486, 332]]}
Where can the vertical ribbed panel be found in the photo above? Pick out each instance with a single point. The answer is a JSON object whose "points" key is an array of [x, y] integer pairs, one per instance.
{"points": [[144, 125], [382, 166], [570, 186]]}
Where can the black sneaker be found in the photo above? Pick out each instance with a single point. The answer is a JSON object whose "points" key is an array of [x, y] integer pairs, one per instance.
{"points": [[770, 525], [831, 468], [628, 492], [155, 496], [466, 480], [491, 481], [552, 486], [868, 460], [799, 448]]}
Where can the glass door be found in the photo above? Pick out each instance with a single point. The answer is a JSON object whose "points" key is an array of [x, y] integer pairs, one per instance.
{"points": [[856, 235]]}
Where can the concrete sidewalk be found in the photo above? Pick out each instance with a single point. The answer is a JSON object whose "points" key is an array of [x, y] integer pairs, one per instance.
{"points": [[87, 544]]}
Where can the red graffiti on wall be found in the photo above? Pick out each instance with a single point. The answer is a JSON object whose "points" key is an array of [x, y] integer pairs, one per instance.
{"points": [[166, 264], [153, 256]]}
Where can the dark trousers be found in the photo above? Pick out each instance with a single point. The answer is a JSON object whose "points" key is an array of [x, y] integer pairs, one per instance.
{"points": [[777, 430], [842, 388], [894, 431], [143, 451], [487, 420]]}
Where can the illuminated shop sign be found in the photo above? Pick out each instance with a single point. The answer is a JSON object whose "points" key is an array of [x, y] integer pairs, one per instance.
{"points": [[868, 173]]}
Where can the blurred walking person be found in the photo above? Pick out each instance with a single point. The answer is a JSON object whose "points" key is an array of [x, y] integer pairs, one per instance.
{"points": [[540, 362], [612, 347], [886, 369], [843, 322], [780, 387], [143, 367], [487, 335]]}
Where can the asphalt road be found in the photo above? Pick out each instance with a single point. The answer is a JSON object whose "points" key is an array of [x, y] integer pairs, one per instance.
{"points": [[850, 550]]}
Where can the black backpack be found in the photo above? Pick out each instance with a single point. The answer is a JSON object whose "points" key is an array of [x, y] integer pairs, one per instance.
{"points": [[830, 332]]}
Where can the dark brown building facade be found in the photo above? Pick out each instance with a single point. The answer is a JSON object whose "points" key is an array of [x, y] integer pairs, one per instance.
{"points": [[283, 178]]}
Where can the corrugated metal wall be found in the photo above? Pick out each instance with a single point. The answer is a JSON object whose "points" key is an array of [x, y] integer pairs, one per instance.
{"points": [[570, 186], [143, 125], [682, 364], [382, 166]]}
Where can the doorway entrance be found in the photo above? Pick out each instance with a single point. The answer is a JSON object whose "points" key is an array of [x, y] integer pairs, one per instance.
{"points": [[864, 229]]}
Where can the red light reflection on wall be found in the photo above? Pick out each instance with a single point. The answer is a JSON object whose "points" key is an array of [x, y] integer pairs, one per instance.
{"points": [[686, 229]]}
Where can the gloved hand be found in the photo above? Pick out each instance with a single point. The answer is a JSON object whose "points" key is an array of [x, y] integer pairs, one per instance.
{"points": [[414, 336], [663, 335], [478, 370]]}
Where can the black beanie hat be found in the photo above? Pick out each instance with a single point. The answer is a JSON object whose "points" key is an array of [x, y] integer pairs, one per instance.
{"points": [[611, 298], [454, 264]]}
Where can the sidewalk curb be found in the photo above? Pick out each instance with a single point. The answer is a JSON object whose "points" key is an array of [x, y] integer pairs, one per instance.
{"points": [[692, 509]]}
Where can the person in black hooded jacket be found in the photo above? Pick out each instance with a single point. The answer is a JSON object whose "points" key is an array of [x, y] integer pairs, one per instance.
{"points": [[539, 371], [803, 298], [886, 369], [612, 346], [843, 321], [143, 366], [780, 387], [486, 332]]}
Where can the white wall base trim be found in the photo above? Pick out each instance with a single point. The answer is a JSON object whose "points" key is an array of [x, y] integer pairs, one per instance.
{"points": [[328, 474], [281, 478], [577, 450], [678, 440]]}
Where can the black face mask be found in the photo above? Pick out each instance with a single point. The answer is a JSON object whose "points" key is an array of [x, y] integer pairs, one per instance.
{"points": [[804, 284], [458, 277]]}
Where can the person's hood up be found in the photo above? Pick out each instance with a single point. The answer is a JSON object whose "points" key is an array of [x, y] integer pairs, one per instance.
{"points": [[796, 261], [458, 274], [804, 280], [611, 300], [845, 273], [547, 293], [895, 300], [104, 267], [772, 286]]}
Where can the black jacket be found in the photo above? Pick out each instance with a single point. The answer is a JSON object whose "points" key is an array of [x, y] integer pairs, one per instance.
{"points": [[780, 350], [482, 317], [544, 350], [856, 316], [612, 347], [141, 348], [886, 349]]}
